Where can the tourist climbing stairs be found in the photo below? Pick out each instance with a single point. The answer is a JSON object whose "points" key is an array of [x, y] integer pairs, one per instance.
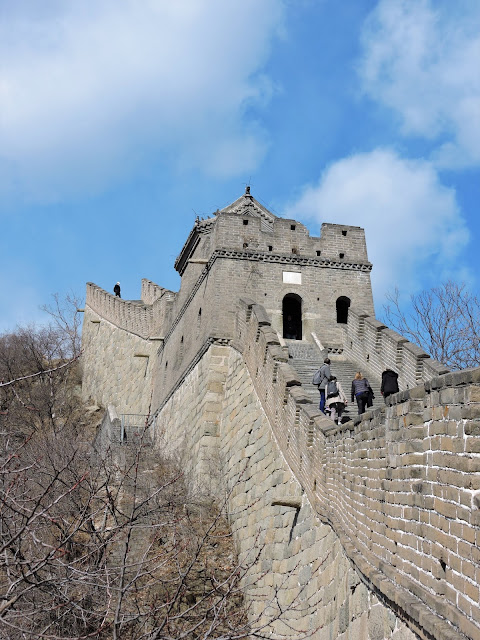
{"points": [[306, 358]]}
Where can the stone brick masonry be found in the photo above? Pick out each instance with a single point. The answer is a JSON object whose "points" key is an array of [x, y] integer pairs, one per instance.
{"points": [[370, 530], [297, 563], [400, 487]]}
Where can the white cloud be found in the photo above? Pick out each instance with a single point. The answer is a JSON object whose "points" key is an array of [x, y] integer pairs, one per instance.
{"points": [[421, 59], [415, 232], [86, 89]]}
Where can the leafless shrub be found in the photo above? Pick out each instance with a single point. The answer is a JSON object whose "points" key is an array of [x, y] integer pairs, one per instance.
{"points": [[444, 321], [104, 546]]}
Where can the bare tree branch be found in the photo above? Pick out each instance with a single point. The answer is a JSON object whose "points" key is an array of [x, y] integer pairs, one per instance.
{"points": [[111, 546], [42, 373], [444, 321]]}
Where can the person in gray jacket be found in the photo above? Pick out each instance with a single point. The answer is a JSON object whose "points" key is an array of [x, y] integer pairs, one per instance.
{"points": [[360, 387], [325, 377]]}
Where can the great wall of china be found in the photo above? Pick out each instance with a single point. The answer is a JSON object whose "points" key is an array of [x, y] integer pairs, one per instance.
{"points": [[371, 528]]}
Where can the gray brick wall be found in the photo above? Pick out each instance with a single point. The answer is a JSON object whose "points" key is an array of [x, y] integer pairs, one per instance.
{"points": [[117, 365], [400, 487], [217, 426]]}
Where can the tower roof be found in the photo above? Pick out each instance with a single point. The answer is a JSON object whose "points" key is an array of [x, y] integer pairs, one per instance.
{"points": [[246, 205]]}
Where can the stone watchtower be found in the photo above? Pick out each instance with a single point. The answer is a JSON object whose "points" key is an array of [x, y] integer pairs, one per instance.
{"points": [[249, 251], [305, 283]]}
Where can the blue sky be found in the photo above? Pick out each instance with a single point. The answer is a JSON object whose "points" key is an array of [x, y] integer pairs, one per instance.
{"points": [[121, 120]]}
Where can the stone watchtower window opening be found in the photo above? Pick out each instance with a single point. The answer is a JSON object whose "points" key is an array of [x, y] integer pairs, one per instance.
{"points": [[292, 316], [343, 304]]}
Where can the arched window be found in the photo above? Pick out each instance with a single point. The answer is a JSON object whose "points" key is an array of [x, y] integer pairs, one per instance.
{"points": [[292, 316], [343, 304]]}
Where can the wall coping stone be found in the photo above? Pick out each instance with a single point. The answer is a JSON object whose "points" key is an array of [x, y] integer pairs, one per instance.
{"points": [[418, 351], [396, 337], [248, 302], [313, 412], [300, 395], [375, 323], [279, 353], [453, 379], [289, 374], [262, 316]]}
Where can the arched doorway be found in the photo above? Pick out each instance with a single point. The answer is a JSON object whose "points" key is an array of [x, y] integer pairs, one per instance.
{"points": [[343, 303], [292, 316]]}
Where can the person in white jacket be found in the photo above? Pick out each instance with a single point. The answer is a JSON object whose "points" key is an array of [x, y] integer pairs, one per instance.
{"points": [[336, 400]]}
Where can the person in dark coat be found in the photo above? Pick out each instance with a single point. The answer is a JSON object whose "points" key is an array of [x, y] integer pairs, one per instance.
{"points": [[360, 386], [389, 383], [116, 290], [325, 377]]}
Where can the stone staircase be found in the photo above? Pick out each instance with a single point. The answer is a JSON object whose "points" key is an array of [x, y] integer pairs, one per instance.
{"points": [[133, 483], [306, 358]]}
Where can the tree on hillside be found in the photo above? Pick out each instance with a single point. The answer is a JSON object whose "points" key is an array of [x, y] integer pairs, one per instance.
{"points": [[39, 371], [66, 322], [110, 545], [444, 321], [36, 383], [90, 551]]}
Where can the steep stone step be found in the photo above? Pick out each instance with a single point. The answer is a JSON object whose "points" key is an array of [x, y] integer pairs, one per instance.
{"points": [[299, 350], [307, 358]]}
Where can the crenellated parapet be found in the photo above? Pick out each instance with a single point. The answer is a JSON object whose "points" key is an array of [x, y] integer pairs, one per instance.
{"points": [[375, 347], [134, 317], [162, 301], [152, 292], [400, 486]]}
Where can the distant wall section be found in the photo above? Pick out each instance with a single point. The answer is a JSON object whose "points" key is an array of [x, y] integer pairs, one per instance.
{"points": [[117, 364]]}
